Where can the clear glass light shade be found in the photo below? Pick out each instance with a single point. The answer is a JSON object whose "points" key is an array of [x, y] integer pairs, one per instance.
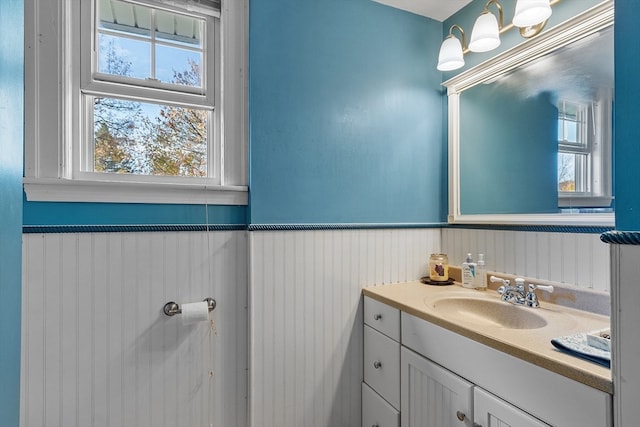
{"points": [[486, 33], [451, 56], [531, 12]]}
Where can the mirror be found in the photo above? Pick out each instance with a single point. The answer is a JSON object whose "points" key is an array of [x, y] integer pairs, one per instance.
{"points": [[530, 130]]}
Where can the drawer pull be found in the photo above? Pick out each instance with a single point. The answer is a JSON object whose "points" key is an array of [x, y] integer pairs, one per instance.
{"points": [[377, 364], [375, 425], [461, 416], [377, 316]]}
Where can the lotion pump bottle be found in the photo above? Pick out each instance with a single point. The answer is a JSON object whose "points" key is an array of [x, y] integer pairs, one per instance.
{"points": [[481, 274], [468, 273]]}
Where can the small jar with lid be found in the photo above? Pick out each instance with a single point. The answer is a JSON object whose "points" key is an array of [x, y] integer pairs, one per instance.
{"points": [[439, 267]]}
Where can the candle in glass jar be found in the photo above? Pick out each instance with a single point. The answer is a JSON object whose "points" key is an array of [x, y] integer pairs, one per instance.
{"points": [[439, 267]]}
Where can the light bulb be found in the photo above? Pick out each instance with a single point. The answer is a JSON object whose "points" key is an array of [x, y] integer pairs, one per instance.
{"points": [[485, 35], [451, 56], [531, 12]]}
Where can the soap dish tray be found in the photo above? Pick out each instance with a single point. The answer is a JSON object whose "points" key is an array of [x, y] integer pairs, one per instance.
{"points": [[427, 281], [600, 339]]}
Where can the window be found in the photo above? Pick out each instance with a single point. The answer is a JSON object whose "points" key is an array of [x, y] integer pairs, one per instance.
{"points": [[573, 148], [584, 153], [136, 113]]}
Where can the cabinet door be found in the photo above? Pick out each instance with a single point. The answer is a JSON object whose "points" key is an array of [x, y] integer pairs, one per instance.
{"points": [[431, 396], [491, 411]]}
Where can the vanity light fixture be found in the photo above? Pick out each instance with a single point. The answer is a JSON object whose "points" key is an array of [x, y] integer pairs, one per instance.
{"points": [[485, 35], [530, 17], [451, 56]]}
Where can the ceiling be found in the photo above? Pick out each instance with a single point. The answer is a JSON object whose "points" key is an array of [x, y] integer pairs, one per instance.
{"points": [[434, 9]]}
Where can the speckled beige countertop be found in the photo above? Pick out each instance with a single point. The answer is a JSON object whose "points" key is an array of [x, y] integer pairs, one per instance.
{"points": [[531, 345]]}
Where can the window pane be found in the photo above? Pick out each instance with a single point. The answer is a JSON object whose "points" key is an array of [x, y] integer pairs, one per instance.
{"points": [[570, 110], [174, 53], [560, 130], [571, 134], [179, 29], [582, 172], [124, 57], [573, 172], [566, 172], [179, 66], [148, 139], [124, 18]]}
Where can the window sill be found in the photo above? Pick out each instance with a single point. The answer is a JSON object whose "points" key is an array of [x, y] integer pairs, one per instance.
{"points": [[63, 190], [585, 201]]}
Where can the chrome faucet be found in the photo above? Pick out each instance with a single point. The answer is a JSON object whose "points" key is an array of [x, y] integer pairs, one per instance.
{"points": [[513, 294], [517, 295]]}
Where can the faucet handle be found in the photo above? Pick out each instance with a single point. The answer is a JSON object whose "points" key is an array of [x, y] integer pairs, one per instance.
{"points": [[499, 279], [532, 298], [548, 288]]}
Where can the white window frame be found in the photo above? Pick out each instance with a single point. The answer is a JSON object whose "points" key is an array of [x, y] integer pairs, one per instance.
{"points": [[54, 110], [594, 181]]}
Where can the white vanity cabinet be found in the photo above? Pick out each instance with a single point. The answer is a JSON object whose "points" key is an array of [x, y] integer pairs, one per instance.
{"points": [[381, 386], [419, 374]]}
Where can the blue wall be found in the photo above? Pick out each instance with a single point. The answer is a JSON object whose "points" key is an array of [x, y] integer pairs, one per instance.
{"points": [[11, 134], [60, 213], [345, 123], [346, 114], [627, 132]]}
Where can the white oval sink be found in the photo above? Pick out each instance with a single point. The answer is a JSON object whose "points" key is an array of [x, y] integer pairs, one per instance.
{"points": [[488, 312]]}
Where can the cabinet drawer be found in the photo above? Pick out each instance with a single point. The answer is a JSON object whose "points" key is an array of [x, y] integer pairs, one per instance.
{"points": [[376, 412], [382, 365], [382, 317]]}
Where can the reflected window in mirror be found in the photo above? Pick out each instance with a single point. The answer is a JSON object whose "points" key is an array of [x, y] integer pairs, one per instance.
{"points": [[584, 153]]}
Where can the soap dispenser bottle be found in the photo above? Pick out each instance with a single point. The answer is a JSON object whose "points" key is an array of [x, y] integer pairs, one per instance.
{"points": [[468, 273], [481, 274]]}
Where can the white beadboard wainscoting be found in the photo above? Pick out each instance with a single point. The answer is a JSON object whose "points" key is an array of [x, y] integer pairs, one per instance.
{"points": [[97, 349], [625, 319], [306, 317], [579, 259]]}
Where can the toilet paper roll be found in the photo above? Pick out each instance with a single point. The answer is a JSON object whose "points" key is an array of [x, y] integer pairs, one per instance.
{"points": [[195, 312]]}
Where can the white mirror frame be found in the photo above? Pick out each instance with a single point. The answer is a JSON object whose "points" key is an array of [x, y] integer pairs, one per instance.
{"points": [[582, 25]]}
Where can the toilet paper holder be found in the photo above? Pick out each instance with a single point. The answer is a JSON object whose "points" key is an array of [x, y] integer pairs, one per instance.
{"points": [[172, 308]]}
